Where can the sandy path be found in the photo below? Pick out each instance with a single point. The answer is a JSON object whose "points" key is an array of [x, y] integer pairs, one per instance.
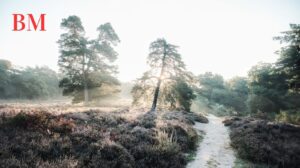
{"points": [[214, 150]]}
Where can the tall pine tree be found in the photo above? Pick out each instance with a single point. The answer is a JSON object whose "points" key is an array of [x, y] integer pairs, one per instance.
{"points": [[163, 83], [86, 64]]}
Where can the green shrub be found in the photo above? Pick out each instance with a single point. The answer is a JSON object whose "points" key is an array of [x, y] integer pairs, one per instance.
{"points": [[260, 103], [289, 116], [20, 120]]}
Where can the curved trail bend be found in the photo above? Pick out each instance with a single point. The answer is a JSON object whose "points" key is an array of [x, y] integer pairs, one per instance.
{"points": [[214, 151]]}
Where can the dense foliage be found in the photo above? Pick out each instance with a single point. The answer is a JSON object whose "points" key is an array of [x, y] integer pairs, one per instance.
{"points": [[167, 83], [86, 64], [270, 90], [231, 94], [289, 61], [27, 83]]}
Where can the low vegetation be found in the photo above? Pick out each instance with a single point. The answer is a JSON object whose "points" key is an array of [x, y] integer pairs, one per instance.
{"points": [[261, 141], [97, 138]]}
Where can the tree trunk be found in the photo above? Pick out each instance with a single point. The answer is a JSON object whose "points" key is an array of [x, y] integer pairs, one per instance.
{"points": [[85, 87], [156, 93], [86, 92], [156, 96]]}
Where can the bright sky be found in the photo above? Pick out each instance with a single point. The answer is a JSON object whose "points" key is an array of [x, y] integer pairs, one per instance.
{"points": [[225, 37]]}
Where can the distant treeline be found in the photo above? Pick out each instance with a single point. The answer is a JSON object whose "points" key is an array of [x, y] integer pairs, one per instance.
{"points": [[27, 83], [270, 90], [264, 92]]}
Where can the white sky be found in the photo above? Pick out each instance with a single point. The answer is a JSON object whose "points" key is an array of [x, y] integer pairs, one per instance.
{"points": [[225, 37]]}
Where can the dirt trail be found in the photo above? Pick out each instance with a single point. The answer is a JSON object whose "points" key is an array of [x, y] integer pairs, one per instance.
{"points": [[214, 150]]}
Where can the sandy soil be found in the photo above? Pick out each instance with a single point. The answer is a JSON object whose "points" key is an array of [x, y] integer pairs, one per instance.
{"points": [[214, 150]]}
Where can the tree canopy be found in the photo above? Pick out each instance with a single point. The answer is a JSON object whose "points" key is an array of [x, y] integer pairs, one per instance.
{"points": [[289, 61], [86, 64], [165, 81], [27, 83]]}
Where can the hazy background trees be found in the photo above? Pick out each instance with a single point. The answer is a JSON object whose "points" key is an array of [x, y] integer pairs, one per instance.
{"points": [[27, 83], [270, 89], [86, 64], [5, 67], [228, 96]]}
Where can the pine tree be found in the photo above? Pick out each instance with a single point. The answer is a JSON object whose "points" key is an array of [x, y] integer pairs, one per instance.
{"points": [[162, 80], [289, 61], [86, 64]]}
